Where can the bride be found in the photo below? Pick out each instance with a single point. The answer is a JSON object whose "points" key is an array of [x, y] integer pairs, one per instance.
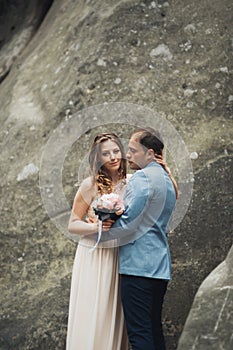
{"points": [[96, 319]]}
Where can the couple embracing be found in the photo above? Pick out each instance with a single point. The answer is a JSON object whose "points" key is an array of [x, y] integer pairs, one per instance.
{"points": [[117, 293]]}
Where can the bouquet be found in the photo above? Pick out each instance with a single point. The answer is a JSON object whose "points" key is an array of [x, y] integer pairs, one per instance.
{"points": [[108, 206]]}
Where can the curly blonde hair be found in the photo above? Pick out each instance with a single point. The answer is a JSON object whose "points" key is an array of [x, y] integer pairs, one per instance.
{"points": [[100, 175]]}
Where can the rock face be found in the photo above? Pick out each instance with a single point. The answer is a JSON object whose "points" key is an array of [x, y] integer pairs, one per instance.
{"points": [[19, 20], [174, 57], [209, 324]]}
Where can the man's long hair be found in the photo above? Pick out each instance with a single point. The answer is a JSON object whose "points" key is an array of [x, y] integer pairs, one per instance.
{"points": [[151, 139]]}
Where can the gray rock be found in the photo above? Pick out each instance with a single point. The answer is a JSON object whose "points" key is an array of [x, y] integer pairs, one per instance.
{"points": [[193, 155], [162, 51], [210, 322], [190, 29], [50, 81], [15, 32], [28, 170]]}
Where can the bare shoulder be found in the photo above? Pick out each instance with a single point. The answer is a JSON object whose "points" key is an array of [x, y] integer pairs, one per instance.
{"points": [[87, 189], [87, 184]]}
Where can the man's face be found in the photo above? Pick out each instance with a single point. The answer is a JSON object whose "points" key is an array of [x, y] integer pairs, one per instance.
{"points": [[137, 155]]}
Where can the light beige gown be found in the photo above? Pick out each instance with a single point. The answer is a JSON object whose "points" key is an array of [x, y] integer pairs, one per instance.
{"points": [[96, 320]]}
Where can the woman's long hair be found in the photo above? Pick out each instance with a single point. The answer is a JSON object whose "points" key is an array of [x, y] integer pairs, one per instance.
{"points": [[100, 175], [151, 139]]}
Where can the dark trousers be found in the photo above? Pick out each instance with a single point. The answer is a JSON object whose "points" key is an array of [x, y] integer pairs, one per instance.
{"points": [[142, 300]]}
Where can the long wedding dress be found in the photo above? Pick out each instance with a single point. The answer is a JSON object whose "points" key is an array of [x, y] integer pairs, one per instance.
{"points": [[96, 319]]}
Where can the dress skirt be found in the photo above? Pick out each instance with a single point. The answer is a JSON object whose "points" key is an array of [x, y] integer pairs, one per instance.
{"points": [[96, 319]]}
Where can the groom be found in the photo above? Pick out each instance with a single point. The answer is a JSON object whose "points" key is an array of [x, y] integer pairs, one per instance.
{"points": [[144, 257]]}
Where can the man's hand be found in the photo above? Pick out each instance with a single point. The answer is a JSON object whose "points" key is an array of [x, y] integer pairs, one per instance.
{"points": [[106, 225]]}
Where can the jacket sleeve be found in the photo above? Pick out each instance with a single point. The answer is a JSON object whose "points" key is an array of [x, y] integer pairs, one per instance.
{"points": [[136, 200]]}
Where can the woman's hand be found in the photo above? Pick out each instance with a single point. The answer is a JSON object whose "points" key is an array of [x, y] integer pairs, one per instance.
{"points": [[159, 159]]}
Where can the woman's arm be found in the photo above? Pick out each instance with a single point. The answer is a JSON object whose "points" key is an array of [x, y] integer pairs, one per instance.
{"points": [[80, 208]]}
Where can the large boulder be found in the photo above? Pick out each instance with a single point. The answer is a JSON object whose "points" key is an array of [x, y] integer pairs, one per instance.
{"points": [[210, 322], [172, 57]]}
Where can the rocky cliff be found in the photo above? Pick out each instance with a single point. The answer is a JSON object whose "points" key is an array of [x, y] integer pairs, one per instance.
{"points": [[58, 58], [208, 325]]}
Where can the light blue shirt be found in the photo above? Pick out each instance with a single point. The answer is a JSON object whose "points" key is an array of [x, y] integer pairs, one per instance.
{"points": [[142, 229]]}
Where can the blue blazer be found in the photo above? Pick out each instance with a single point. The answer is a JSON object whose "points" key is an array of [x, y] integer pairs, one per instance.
{"points": [[142, 229]]}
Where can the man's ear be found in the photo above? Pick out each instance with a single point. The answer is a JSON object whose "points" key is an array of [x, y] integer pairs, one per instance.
{"points": [[151, 153]]}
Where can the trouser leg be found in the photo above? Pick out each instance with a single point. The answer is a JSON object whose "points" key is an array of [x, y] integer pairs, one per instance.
{"points": [[137, 300], [159, 290]]}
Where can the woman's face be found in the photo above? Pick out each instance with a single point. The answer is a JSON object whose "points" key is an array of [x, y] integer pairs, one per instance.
{"points": [[110, 156]]}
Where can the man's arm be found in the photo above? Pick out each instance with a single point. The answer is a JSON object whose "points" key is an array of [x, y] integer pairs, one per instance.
{"points": [[136, 201], [144, 199]]}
